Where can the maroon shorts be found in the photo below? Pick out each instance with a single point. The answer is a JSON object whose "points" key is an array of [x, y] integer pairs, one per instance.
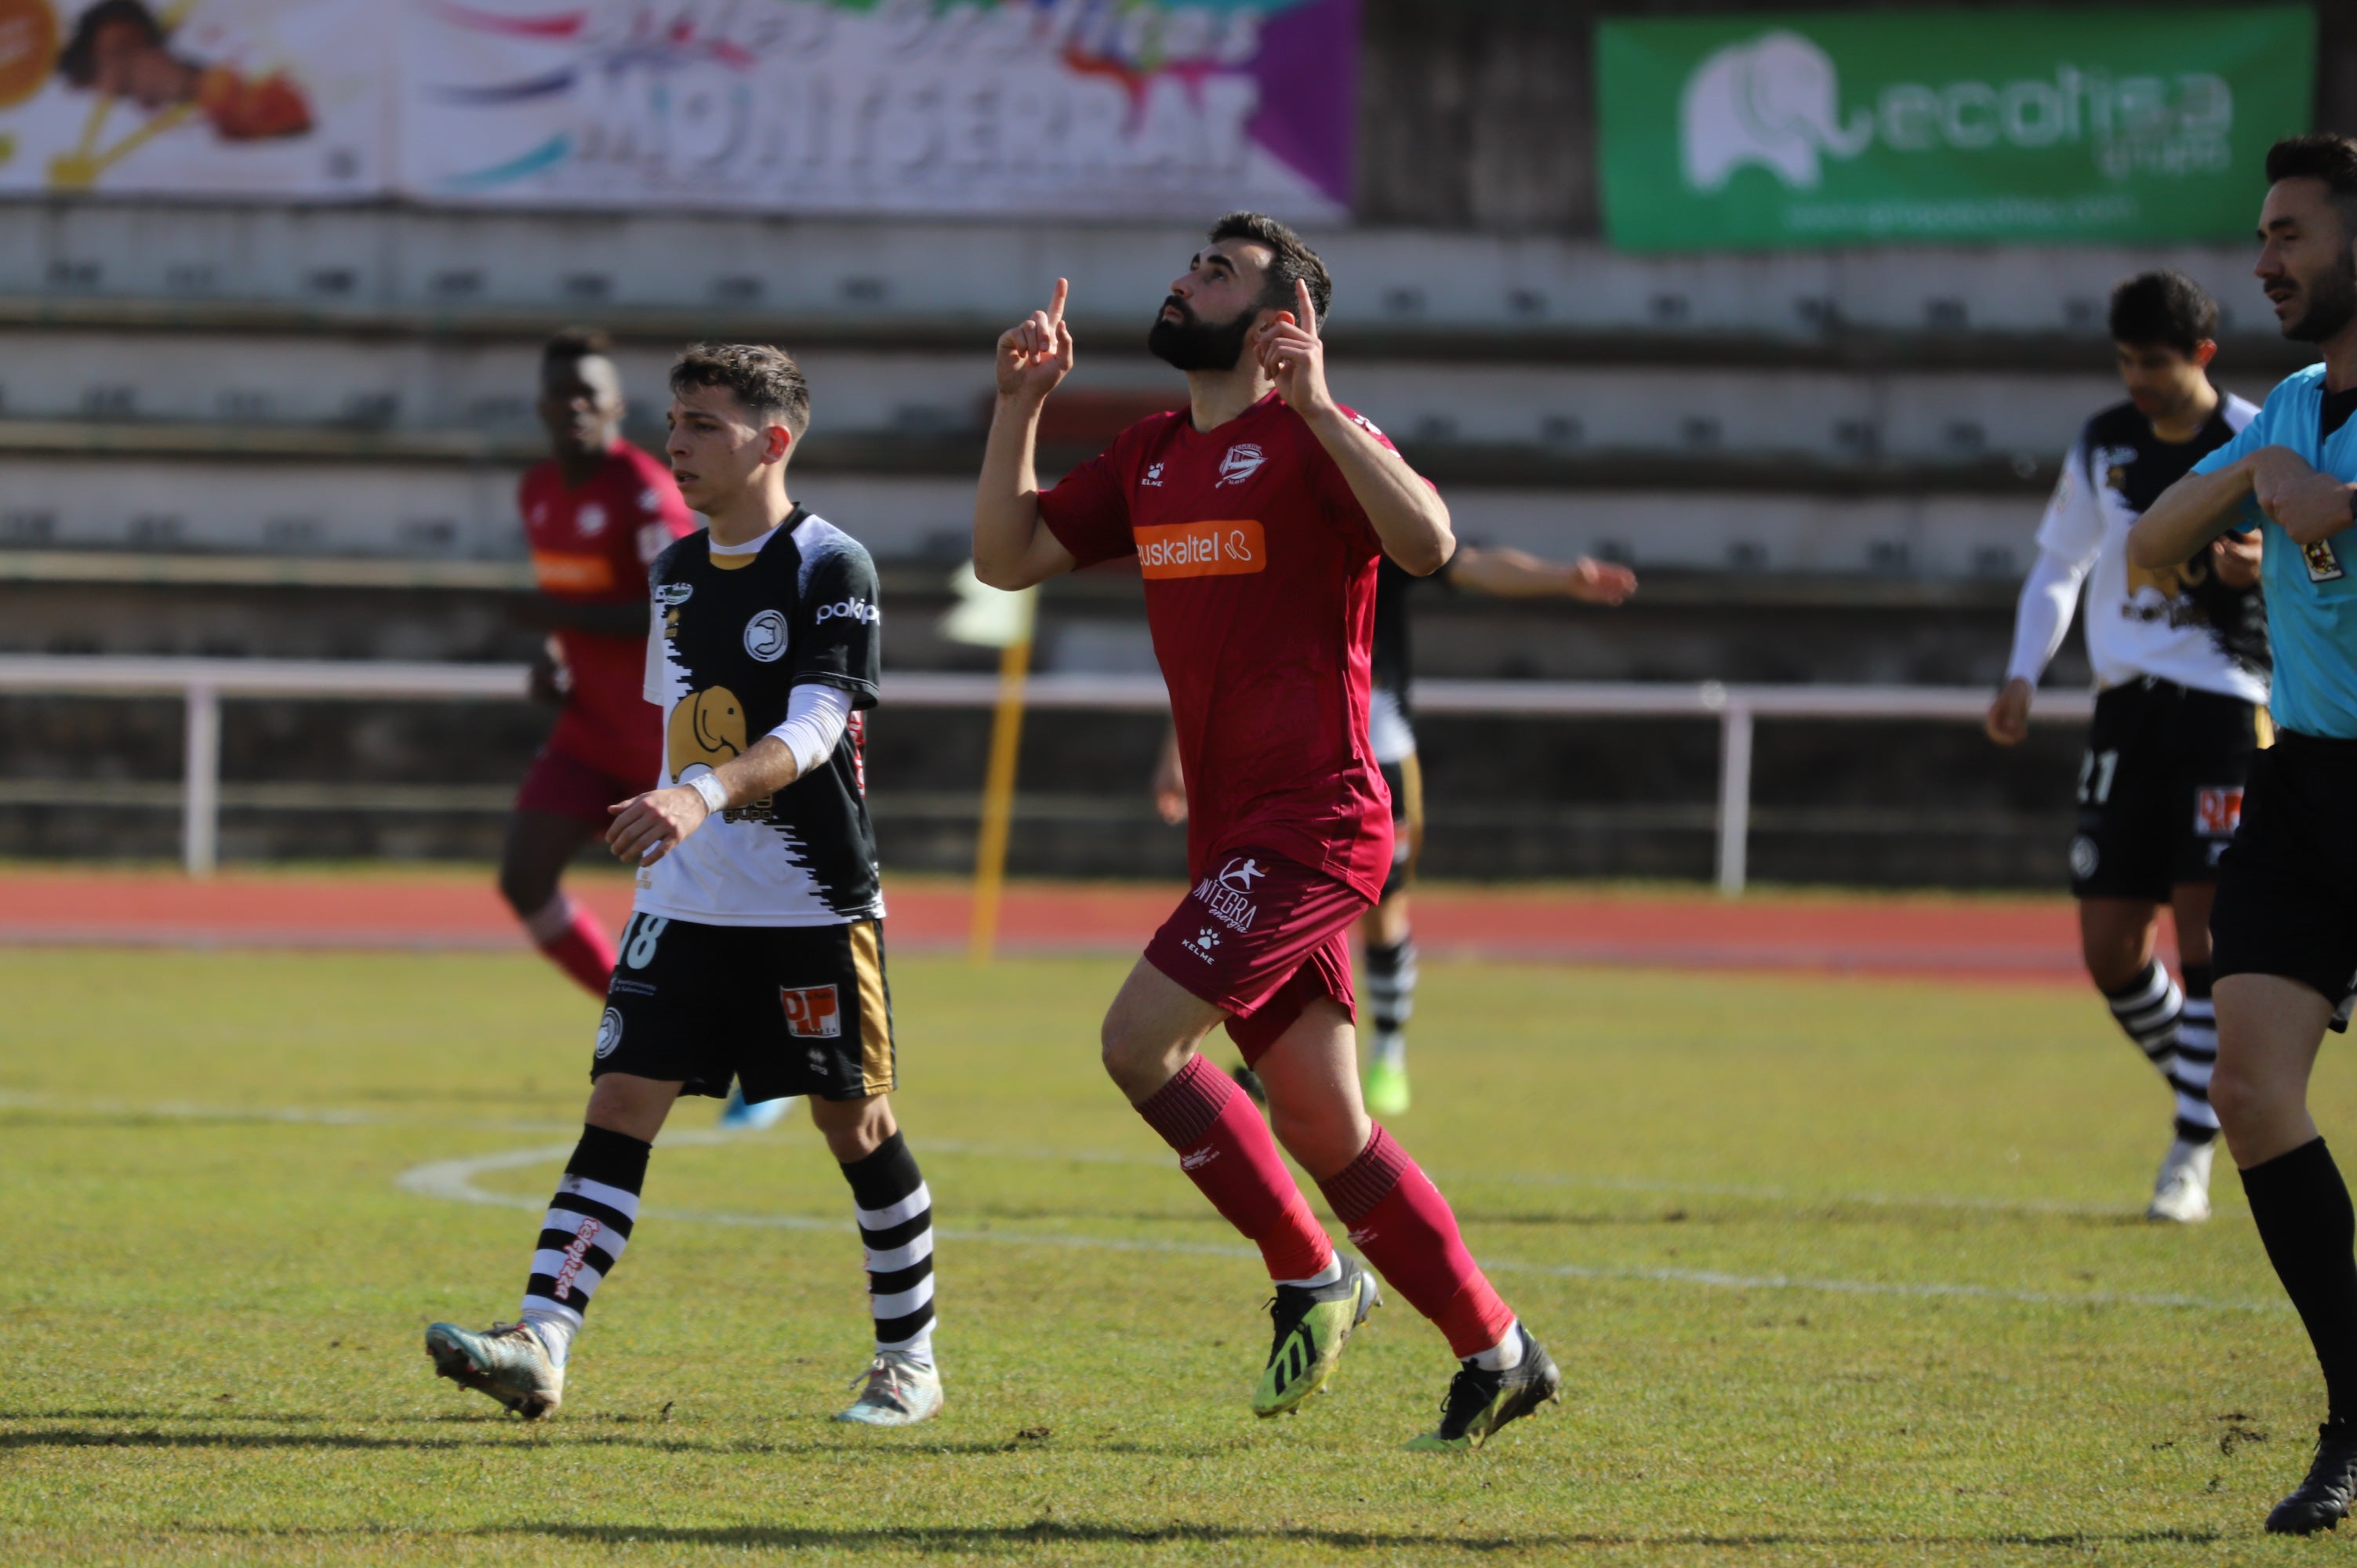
{"points": [[1262, 936], [564, 785]]}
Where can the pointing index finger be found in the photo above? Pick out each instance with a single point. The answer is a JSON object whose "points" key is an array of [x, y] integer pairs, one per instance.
{"points": [[1056, 303], [1307, 311]]}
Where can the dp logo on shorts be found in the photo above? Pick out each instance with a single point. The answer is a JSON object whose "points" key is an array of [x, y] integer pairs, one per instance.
{"points": [[609, 1033], [812, 1012]]}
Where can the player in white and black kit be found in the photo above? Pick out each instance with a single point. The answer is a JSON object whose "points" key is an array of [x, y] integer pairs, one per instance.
{"points": [[755, 950], [2180, 662]]}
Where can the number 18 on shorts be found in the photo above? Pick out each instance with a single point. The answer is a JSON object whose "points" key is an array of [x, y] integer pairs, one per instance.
{"points": [[786, 1009]]}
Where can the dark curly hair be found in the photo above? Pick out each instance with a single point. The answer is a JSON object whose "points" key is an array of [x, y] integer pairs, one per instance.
{"points": [[2163, 308], [1294, 260], [765, 379]]}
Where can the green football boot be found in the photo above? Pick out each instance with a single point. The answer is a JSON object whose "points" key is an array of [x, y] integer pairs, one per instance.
{"points": [[1480, 1401], [508, 1362], [1385, 1087], [1312, 1323]]}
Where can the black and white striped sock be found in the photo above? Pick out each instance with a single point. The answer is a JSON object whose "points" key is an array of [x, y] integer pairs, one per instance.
{"points": [[896, 1232], [1391, 997], [2196, 1056], [589, 1225], [2146, 1009]]}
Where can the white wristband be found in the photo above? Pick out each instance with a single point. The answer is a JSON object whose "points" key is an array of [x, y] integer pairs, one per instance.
{"points": [[708, 786]]}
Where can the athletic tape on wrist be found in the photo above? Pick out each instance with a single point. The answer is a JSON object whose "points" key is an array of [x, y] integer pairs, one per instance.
{"points": [[708, 786]]}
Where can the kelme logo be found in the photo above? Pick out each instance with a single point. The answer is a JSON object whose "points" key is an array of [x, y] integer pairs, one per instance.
{"points": [[1775, 101]]}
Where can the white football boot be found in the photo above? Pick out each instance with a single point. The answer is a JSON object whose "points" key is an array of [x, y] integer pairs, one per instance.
{"points": [[895, 1392], [2181, 1192]]}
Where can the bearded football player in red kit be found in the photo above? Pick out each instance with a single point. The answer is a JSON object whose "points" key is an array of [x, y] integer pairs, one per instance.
{"points": [[596, 514], [1257, 516]]}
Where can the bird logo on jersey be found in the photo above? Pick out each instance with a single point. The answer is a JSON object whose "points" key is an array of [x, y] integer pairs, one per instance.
{"points": [[708, 726], [1243, 461]]}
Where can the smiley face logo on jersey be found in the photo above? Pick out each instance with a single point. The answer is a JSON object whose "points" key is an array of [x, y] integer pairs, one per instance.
{"points": [[765, 637], [708, 726]]}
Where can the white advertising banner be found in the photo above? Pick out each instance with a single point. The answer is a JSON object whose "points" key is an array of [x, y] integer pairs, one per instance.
{"points": [[1115, 108], [270, 97]]}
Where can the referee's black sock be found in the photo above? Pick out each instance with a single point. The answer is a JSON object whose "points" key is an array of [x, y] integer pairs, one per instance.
{"points": [[2302, 1208]]}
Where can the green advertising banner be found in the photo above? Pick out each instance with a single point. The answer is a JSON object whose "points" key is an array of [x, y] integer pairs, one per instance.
{"points": [[1743, 132]]}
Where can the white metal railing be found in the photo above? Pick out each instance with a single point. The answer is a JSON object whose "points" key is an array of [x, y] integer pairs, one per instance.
{"points": [[203, 684]]}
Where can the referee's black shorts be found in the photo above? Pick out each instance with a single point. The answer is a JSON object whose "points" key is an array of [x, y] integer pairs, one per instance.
{"points": [[2287, 900]]}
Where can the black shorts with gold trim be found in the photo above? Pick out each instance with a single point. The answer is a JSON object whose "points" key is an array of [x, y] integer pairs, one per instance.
{"points": [[784, 1009]]}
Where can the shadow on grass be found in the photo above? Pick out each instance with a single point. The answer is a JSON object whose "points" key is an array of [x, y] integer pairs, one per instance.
{"points": [[492, 1430], [1055, 1532], [286, 1418]]}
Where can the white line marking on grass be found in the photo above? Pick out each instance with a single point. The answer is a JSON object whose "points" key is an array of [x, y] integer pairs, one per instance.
{"points": [[334, 1116], [453, 1181]]}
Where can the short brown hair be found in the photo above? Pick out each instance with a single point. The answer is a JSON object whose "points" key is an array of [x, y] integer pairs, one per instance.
{"points": [[1295, 262], [765, 379]]}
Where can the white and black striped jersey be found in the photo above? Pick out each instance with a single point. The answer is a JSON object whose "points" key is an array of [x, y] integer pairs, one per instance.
{"points": [[732, 636], [2178, 623]]}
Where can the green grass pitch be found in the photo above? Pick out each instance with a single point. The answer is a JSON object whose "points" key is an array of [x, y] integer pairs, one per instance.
{"points": [[1838, 1271]]}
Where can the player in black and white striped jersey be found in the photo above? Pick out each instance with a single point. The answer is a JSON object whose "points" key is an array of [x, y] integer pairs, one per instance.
{"points": [[755, 952], [2181, 662]]}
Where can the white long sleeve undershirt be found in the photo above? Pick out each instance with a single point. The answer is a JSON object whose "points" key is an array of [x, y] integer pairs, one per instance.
{"points": [[815, 722], [2048, 596]]}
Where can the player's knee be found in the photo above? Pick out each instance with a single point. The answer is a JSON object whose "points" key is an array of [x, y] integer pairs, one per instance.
{"points": [[2112, 963], [1133, 1055], [854, 1128], [2244, 1097], [1325, 1141], [632, 1106], [526, 889]]}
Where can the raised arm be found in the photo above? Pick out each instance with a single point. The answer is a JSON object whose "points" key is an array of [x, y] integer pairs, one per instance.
{"points": [[1407, 514], [1011, 548]]}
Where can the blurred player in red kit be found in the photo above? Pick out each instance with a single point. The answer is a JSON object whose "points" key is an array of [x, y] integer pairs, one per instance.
{"points": [[596, 514], [1257, 515]]}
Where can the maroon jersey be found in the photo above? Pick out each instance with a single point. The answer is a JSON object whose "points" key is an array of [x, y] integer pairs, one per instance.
{"points": [[592, 544], [1260, 586]]}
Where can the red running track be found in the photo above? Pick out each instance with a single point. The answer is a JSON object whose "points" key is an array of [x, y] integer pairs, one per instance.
{"points": [[2012, 937]]}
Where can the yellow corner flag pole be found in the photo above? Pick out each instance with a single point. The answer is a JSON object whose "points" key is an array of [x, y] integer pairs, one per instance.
{"points": [[998, 801], [985, 616]]}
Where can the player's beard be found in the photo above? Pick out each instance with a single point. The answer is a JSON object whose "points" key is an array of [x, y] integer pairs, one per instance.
{"points": [[1191, 343], [2332, 303]]}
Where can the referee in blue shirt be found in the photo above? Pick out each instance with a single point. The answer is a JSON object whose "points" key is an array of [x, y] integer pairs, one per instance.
{"points": [[2284, 927]]}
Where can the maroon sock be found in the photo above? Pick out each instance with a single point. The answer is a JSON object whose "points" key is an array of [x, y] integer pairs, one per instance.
{"points": [[1400, 1221], [1224, 1148], [582, 948]]}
